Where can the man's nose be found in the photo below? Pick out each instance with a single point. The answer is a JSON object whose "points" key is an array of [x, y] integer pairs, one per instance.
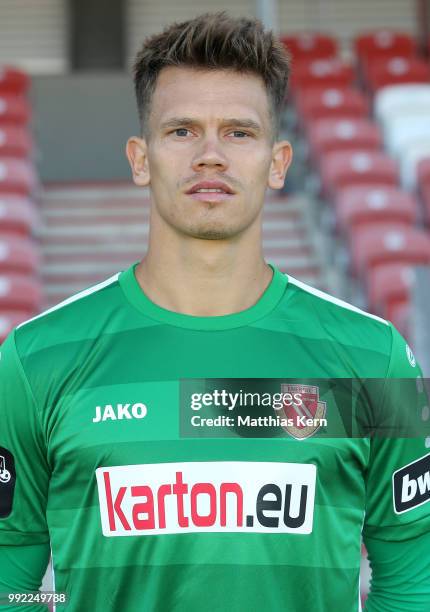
{"points": [[210, 153]]}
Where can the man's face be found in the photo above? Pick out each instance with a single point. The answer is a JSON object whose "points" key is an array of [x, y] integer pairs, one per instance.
{"points": [[209, 130]]}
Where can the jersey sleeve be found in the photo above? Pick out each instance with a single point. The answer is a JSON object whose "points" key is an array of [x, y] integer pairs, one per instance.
{"points": [[21, 571], [400, 579], [398, 474], [24, 470]]}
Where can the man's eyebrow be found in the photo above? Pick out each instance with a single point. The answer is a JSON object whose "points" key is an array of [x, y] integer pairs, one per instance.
{"points": [[245, 123], [176, 122]]}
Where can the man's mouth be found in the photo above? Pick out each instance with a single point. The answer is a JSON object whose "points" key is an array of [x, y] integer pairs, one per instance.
{"points": [[211, 191]]}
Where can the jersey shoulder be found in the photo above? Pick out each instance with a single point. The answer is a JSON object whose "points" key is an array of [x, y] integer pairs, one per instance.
{"points": [[355, 328], [332, 305], [335, 322], [79, 316]]}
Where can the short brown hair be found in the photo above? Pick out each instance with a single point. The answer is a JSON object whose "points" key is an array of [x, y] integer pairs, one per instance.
{"points": [[213, 41]]}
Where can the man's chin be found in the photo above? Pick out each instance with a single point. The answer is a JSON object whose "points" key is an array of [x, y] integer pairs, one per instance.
{"points": [[212, 232]]}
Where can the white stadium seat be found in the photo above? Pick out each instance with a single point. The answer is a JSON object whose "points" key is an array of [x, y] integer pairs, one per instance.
{"points": [[409, 161], [399, 99], [405, 130]]}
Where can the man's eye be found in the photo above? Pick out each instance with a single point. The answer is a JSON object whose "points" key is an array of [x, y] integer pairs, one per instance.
{"points": [[239, 134], [181, 132]]}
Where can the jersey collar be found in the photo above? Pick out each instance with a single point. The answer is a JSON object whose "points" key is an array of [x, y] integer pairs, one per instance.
{"points": [[262, 307]]}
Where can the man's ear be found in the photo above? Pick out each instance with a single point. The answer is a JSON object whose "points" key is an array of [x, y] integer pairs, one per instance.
{"points": [[282, 154], [137, 155]]}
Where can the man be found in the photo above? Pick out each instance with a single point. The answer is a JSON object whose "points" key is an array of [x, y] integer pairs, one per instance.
{"points": [[107, 399]]}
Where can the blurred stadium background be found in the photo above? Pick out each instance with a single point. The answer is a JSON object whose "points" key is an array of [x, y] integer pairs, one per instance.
{"points": [[353, 218]]}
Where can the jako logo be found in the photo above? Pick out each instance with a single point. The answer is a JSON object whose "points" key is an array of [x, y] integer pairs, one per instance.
{"points": [[121, 411], [411, 485], [222, 496]]}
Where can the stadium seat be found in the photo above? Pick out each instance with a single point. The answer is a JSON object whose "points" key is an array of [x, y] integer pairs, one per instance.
{"points": [[17, 176], [348, 168], [332, 72], [17, 215], [14, 109], [13, 80], [327, 135], [395, 71], [337, 103], [423, 179], [369, 204], [388, 285], [10, 319], [310, 45], [395, 100], [423, 171], [375, 245], [413, 154], [404, 130], [20, 292], [383, 43], [18, 255], [15, 141], [425, 196], [399, 315]]}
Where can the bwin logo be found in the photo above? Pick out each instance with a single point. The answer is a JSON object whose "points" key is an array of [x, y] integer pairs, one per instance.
{"points": [[120, 412], [411, 485]]}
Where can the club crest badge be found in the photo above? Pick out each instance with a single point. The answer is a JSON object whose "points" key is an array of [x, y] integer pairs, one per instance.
{"points": [[304, 418]]}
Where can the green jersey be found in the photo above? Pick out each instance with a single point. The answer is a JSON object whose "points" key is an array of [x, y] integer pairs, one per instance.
{"points": [[151, 502]]}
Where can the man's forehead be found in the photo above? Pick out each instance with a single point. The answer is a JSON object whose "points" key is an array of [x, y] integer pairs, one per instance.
{"points": [[218, 94], [178, 74]]}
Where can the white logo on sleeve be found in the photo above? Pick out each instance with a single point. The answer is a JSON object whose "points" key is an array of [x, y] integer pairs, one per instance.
{"points": [[410, 356], [411, 485], [4, 473]]}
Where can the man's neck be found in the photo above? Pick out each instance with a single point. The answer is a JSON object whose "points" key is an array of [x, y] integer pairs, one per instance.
{"points": [[199, 287]]}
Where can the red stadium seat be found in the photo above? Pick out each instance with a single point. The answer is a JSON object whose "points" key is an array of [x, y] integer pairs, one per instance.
{"points": [[14, 109], [310, 45], [383, 43], [375, 245], [423, 180], [20, 292], [15, 141], [397, 71], [10, 319], [18, 255], [425, 195], [330, 103], [365, 204], [399, 315], [389, 285], [332, 72], [423, 171], [17, 215], [13, 80], [17, 176], [327, 135], [349, 168]]}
